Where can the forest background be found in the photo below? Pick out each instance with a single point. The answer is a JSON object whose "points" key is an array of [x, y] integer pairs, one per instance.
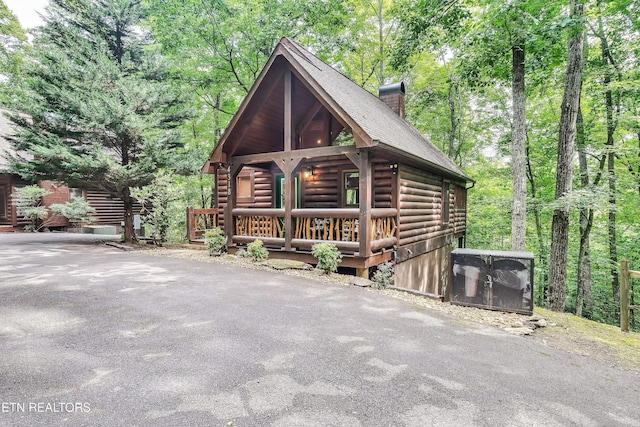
{"points": [[485, 82]]}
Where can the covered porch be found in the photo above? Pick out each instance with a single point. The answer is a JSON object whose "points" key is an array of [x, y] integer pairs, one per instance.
{"points": [[291, 200]]}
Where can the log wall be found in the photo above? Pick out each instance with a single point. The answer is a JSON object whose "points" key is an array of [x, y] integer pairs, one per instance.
{"points": [[5, 187], [263, 193], [325, 188], [420, 203], [382, 184], [221, 193], [10, 183], [263, 189], [459, 219], [109, 210]]}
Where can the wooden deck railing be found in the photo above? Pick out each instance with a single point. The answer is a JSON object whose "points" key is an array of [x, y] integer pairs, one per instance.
{"points": [[200, 220], [259, 222], [326, 224], [625, 307], [311, 226]]}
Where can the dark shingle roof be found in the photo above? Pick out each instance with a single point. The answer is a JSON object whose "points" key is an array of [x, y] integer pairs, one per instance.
{"points": [[374, 117]]}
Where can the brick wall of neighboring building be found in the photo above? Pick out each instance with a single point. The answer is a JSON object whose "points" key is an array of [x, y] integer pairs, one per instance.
{"points": [[59, 194]]}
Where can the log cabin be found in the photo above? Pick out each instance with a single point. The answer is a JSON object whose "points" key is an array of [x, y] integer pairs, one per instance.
{"points": [[312, 157]]}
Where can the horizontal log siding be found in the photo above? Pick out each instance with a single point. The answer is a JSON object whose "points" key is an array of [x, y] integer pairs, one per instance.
{"points": [[5, 185], [382, 184], [263, 190], [324, 188], [459, 210], [221, 194], [108, 210], [10, 183], [420, 206]]}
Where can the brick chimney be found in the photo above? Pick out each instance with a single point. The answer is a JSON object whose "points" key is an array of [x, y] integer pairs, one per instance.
{"points": [[393, 96]]}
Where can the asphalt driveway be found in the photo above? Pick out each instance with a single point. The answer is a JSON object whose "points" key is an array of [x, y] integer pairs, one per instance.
{"points": [[91, 335]]}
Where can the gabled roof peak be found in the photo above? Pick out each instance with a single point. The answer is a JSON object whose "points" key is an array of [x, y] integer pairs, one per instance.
{"points": [[368, 117]]}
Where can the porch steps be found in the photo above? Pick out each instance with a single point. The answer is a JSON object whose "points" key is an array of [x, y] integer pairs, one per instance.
{"points": [[7, 229]]}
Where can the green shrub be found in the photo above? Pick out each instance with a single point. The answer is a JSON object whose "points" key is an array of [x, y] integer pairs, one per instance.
{"points": [[328, 256], [78, 211], [257, 251], [215, 240], [157, 200], [384, 275], [28, 202]]}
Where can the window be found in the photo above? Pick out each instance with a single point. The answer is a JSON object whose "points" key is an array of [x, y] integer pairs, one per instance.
{"points": [[75, 192], [351, 187], [245, 187], [445, 202], [3, 202]]}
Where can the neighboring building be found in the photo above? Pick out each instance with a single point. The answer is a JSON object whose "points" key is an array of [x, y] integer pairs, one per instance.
{"points": [[9, 220], [312, 157], [109, 210]]}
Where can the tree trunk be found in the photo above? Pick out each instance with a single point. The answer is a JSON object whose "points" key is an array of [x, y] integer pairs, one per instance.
{"points": [[637, 174], [564, 171], [613, 248], [128, 216], [583, 297], [518, 140], [607, 62], [125, 144], [452, 119], [542, 247]]}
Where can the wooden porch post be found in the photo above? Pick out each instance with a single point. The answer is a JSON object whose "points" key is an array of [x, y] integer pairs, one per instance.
{"points": [[624, 295], [289, 195], [289, 163], [365, 192]]}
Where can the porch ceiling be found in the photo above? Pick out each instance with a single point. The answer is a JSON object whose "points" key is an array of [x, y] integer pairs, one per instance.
{"points": [[261, 128]]}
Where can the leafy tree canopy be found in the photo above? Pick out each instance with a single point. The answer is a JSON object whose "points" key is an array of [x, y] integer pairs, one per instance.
{"points": [[12, 39]]}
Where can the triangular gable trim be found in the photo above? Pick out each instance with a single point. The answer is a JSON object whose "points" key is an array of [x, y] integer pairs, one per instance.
{"points": [[217, 155], [361, 138]]}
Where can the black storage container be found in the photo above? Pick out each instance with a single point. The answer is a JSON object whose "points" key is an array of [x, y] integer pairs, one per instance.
{"points": [[496, 280]]}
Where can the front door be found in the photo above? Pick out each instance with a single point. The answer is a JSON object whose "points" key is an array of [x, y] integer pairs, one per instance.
{"points": [[279, 202]]}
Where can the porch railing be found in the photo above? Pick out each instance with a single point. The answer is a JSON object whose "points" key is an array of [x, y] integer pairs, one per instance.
{"points": [[383, 228], [311, 226], [625, 306], [199, 220], [326, 224], [259, 222]]}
